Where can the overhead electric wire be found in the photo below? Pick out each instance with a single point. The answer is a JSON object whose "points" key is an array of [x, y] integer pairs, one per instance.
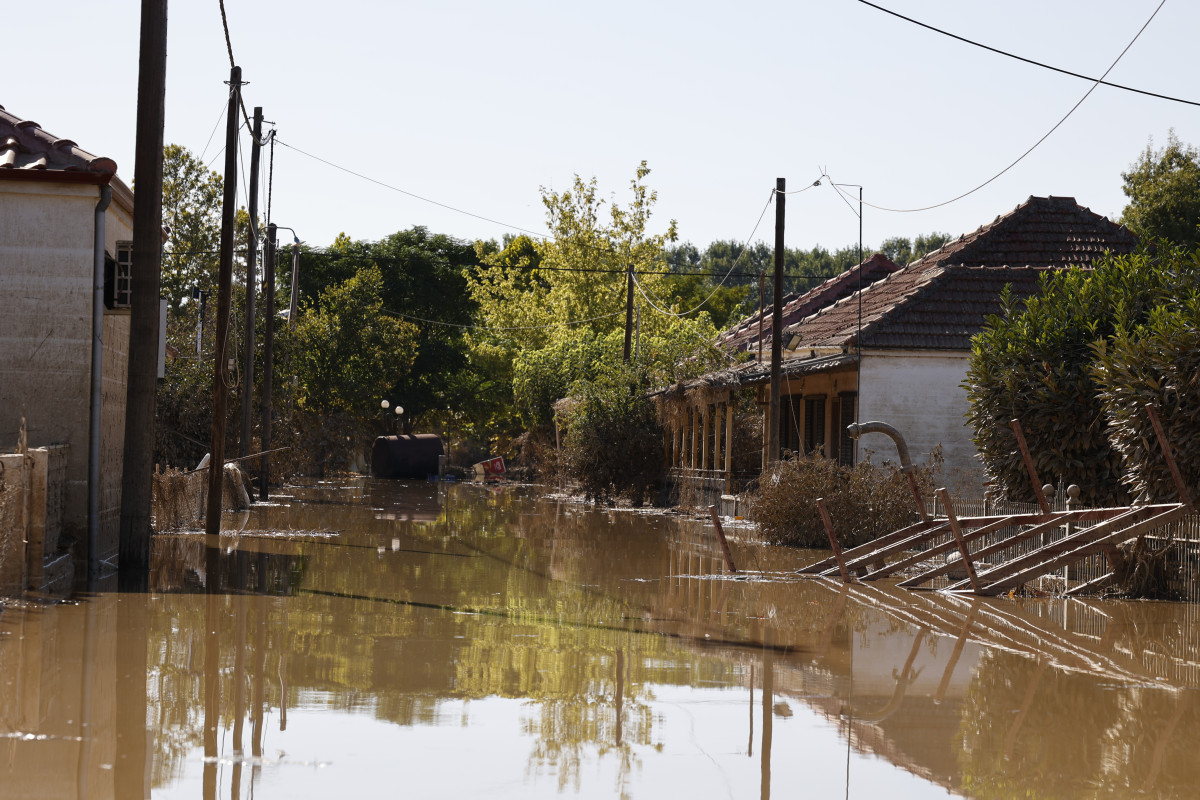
{"points": [[1035, 145], [566, 324], [233, 63], [220, 116], [808, 276], [642, 291], [1050, 67], [410, 194]]}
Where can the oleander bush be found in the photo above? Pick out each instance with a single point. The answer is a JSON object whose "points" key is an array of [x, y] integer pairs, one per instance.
{"points": [[1036, 362]]}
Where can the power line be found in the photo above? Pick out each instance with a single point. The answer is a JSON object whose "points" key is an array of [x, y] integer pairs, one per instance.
{"points": [[566, 324], [811, 276], [1035, 145], [998, 51], [411, 194], [704, 302], [221, 116], [233, 63]]}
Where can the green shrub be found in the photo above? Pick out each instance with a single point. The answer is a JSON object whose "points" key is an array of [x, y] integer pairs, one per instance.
{"points": [[864, 501], [614, 442], [1034, 363], [1157, 363]]}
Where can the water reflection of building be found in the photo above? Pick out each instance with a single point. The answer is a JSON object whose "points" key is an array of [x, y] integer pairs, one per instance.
{"points": [[64, 705], [589, 619]]}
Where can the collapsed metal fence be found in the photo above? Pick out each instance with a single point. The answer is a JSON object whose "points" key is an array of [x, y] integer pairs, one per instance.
{"points": [[1149, 549]]}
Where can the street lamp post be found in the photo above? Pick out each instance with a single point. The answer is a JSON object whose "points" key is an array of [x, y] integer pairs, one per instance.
{"points": [[385, 405]]}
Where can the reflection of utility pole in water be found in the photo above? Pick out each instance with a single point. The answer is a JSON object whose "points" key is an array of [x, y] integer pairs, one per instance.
{"points": [[239, 671], [260, 663], [83, 765], [212, 685], [620, 690], [750, 741], [768, 696], [130, 770]]}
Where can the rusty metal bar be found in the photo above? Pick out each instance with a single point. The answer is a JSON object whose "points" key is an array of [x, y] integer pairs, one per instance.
{"points": [[1033, 476], [1185, 496], [944, 496], [989, 550], [833, 540], [870, 547]]}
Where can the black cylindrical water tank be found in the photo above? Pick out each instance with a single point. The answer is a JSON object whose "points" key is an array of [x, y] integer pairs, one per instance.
{"points": [[412, 457]]}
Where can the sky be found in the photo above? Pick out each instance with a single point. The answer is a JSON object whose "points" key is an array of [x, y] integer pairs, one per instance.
{"points": [[480, 106]]}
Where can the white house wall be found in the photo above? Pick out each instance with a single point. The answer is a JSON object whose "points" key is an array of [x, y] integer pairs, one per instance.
{"points": [[46, 263], [920, 393]]}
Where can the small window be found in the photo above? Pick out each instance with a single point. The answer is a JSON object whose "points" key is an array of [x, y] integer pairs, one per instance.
{"points": [[118, 277]]}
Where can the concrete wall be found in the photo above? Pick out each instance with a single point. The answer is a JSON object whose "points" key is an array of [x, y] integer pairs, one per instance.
{"points": [[31, 506], [920, 393], [46, 259]]}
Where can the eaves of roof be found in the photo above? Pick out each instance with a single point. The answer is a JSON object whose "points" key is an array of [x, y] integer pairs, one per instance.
{"points": [[752, 373], [29, 153]]}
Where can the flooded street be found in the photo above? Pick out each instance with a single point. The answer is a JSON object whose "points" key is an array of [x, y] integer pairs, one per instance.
{"points": [[371, 638]]}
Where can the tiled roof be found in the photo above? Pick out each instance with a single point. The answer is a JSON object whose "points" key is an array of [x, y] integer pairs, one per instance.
{"points": [[1041, 232], [745, 334], [934, 308], [26, 150], [940, 300]]}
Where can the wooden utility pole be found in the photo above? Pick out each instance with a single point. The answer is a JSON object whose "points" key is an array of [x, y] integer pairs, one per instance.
{"points": [[628, 310], [216, 470], [762, 309], [137, 472], [776, 324], [251, 261], [268, 378]]}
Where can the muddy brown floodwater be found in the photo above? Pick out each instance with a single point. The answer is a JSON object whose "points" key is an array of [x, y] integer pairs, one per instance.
{"points": [[378, 639]]}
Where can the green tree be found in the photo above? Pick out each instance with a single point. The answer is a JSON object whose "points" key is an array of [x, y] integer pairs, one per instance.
{"points": [[191, 212], [613, 446], [1156, 362], [542, 377], [903, 250], [1163, 187], [348, 352], [423, 281], [554, 309]]}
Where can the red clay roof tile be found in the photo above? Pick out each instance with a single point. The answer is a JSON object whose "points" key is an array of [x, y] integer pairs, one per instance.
{"points": [[25, 146]]}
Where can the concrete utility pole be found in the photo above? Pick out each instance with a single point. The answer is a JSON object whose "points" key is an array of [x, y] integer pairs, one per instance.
{"points": [[251, 261], [777, 323], [137, 472], [268, 378], [216, 460], [628, 310]]}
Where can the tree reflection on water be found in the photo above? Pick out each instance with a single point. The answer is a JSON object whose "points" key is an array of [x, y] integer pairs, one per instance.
{"points": [[397, 604]]}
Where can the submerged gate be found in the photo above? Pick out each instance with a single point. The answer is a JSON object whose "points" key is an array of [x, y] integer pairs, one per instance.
{"points": [[991, 554]]}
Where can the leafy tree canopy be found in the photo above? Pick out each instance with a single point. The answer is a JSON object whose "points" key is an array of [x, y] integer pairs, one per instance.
{"points": [[191, 212], [348, 352], [423, 281], [1163, 187], [1038, 362]]}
